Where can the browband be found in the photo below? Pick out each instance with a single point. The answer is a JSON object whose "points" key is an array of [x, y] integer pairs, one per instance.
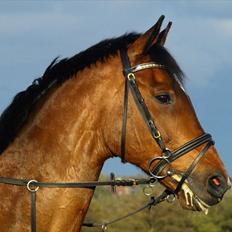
{"points": [[143, 66]]}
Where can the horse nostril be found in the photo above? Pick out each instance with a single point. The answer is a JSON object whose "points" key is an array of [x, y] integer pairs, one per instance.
{"points": [[216, 181], [217, 185]]}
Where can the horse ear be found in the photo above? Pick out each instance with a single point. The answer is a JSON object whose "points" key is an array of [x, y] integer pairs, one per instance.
{"points": [[146, 40], [163, 35]]}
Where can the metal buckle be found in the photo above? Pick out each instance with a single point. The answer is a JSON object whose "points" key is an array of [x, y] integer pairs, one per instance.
{"points": [[158, 135], [30, 188]]}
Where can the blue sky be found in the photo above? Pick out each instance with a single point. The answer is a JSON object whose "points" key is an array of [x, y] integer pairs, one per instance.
{"points": [[32, 33]]}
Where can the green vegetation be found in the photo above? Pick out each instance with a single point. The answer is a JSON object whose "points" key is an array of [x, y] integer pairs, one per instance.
{"points": [[165, 217]]}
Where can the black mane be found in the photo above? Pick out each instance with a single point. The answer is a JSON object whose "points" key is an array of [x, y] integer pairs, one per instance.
{"points": [[16, 114]]}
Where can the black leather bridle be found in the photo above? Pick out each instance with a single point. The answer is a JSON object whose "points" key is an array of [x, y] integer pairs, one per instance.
{"points": [[167, 156]]}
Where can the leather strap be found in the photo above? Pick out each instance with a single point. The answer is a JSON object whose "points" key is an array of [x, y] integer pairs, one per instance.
{"points": [[130, 80], [85, 184], [124, 117], [153, 202], [192, 166], [33, 211], [184, 149], [33, 186]]}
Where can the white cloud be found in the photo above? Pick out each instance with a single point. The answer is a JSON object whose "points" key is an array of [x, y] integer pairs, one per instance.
{"points": [[224, 27], [18, 23], [201, 47]]}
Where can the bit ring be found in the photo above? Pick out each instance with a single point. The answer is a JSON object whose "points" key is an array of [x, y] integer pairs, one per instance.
{"points": [[150, 163]]}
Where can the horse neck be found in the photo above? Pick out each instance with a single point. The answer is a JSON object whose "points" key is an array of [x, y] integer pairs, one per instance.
{"points": [[64, 134], [64, 141]]}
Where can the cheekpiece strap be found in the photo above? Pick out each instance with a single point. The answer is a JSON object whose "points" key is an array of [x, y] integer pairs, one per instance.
{"points": [[130, 80]]}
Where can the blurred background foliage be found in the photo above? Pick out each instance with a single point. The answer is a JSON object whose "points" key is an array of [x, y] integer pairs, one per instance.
{"points": [[166, 217]]}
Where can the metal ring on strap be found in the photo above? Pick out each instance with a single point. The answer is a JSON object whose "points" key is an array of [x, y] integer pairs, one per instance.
{"points": [[131, 76], [171, 198], [148, 190], [30, 188], [151, 162], [104, 227], [158, 135], [153, 182]]}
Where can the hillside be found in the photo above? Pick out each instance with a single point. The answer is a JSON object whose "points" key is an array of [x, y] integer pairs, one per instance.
{"points": [[165, 217]]}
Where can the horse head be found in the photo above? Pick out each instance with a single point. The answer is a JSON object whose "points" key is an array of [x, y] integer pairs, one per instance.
{"points": [[161, 133]]}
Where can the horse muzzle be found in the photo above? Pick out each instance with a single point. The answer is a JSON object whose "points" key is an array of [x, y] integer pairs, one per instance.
{"points": [[218, 185]]}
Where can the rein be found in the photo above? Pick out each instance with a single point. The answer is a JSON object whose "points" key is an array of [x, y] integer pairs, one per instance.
{"points": [[155, 171], [153, 202]]}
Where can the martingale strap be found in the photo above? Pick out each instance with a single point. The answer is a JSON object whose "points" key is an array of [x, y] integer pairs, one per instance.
{"points": [[33, 186], [124, 121]]}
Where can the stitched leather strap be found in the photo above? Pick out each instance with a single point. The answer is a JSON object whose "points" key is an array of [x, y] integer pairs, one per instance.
{"points": [[184, 149], [192, 166]]}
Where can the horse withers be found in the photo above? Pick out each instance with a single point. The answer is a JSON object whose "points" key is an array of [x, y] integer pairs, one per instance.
{"points": [[122, 97]]}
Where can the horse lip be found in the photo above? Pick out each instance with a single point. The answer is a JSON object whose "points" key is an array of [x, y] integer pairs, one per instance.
{"points": [[191, 199]]}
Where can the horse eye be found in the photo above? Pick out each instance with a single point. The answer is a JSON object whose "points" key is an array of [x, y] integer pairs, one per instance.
{"points": [[164, 98]]}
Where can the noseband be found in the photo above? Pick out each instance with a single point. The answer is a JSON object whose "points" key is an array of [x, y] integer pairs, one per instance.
{"points": [[167, 156]]}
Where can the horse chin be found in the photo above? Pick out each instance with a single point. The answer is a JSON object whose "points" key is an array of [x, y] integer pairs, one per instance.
{"points": [[188, 199]]}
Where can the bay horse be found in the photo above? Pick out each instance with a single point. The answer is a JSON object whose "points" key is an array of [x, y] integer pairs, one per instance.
{"points": [[66, 124]]}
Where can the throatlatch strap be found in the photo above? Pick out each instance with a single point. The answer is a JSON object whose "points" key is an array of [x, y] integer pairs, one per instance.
{"points": [[126, 64], [124, 121]]}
